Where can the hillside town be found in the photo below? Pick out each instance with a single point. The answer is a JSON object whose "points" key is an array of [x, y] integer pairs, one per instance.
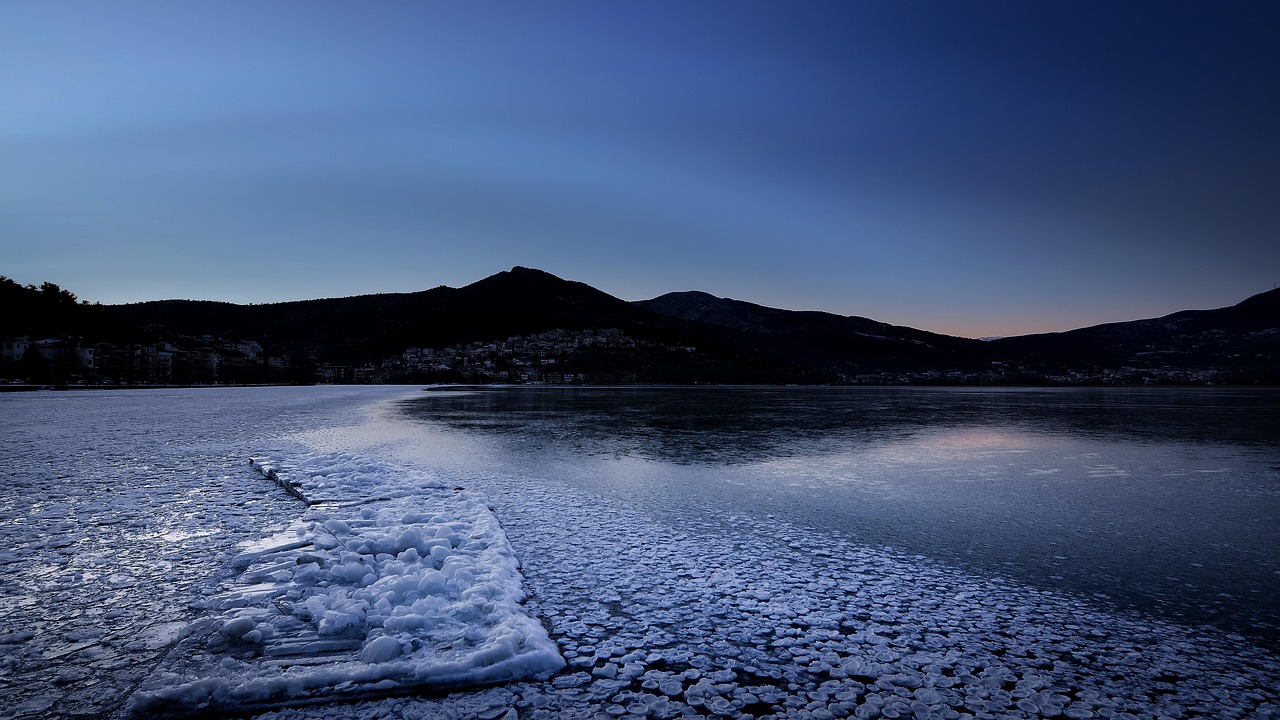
{"points": [[1004, 374], [555, 357]]}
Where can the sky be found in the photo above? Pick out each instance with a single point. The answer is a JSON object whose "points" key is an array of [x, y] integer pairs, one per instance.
{"points": [[977, 168]]}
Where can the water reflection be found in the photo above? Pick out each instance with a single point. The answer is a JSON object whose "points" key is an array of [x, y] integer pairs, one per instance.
{"points": [[742, 425], [1166, 500]]}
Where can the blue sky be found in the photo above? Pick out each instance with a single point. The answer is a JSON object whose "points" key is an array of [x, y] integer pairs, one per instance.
{"points": [[977, 168]]}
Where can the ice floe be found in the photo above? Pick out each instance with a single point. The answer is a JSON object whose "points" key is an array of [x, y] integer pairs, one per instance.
{"points": [[391, 581]]}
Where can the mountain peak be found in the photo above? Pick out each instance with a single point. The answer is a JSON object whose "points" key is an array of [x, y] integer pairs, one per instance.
{"points": [[688, 305], [521, 276], [519, 279], [522, 270], [529, 290]]}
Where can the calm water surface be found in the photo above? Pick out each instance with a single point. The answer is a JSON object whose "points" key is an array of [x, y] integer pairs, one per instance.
{"points": [[1166, 501]]}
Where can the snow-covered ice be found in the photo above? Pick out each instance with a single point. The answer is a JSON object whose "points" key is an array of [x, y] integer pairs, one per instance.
{"points": [[391, 581]]}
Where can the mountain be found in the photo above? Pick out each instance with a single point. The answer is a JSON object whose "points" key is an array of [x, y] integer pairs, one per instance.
{"points": [[341, 328], [520, 301], [517, 301], [1240, 343], [49, 311], [742, 340], [526, 324], [514, 303], [832, 344]]}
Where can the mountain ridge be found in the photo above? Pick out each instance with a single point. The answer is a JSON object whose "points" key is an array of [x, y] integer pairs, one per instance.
{"points": [[840, 348], [718, 339]]}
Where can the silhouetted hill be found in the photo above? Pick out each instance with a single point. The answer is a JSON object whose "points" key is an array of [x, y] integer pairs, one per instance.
{"points": [[338, 328], [518, 302], [678, 337], [1238, 344], [823, 342], [541, 295], [50, 311], [1242, 341]]}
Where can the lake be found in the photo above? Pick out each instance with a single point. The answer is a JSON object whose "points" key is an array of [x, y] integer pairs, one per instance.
{"points": [[1167, 501]]}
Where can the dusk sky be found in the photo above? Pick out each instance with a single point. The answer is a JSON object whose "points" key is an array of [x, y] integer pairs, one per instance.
{"points": [[974, 168]]}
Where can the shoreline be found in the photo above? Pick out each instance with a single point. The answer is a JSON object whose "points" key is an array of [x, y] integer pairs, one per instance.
{"points": [[32, 387]]}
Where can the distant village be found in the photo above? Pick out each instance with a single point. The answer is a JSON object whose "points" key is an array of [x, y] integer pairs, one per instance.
{"points": [[544, 358], [550, 358], [1006, 374]]}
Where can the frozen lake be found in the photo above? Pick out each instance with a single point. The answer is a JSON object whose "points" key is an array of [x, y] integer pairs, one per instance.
{"points": [[119, 510], [730, 552], [1163, 500]]}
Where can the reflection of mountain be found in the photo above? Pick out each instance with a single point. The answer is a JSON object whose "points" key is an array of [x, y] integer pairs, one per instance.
{"points": [[677, 425], [695, 337], [729, 426], [1159, 498]]}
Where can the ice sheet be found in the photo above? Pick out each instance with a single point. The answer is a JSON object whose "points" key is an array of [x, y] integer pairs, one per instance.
{"points": [[739, 617], [119, 510], [391, 581]]}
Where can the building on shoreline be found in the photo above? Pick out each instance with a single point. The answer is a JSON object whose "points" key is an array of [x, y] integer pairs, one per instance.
{"points": [[184, 360]]}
